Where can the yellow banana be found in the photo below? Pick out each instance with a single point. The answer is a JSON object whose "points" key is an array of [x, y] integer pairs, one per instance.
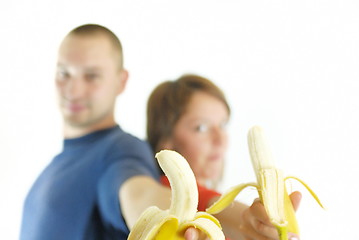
{"points": [[157, 224], [270, 185]]}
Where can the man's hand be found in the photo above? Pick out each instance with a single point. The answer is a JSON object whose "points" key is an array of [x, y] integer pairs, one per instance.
{"points": [[255, 223], [195, 234]]}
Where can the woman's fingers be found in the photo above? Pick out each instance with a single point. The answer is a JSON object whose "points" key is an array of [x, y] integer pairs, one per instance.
{"points": [[256, 224], [295, 197]]}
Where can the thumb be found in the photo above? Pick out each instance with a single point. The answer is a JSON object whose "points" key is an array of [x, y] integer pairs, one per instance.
{"points": [[191, 234], [295, 197]]}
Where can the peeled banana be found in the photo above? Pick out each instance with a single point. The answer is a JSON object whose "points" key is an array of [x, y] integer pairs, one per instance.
{"points": [[270, 185], [157, 224]]}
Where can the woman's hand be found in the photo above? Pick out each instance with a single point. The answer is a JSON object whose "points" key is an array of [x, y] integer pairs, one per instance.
{"points": [[255, 223]]}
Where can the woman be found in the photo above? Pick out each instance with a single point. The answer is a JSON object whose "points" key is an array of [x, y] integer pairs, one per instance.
{"points": [[189, 115]]}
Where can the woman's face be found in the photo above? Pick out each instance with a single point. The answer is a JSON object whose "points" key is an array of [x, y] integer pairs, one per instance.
{"points": [[200, 136]]}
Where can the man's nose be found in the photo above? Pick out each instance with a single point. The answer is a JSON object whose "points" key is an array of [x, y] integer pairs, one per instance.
{"points": [[75, 88]]}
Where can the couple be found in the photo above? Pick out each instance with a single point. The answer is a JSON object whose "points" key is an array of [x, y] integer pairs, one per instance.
{"points": [[104, 178]]}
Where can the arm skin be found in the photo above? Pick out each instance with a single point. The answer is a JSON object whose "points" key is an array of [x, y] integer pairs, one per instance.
{"points": [[242, 222], [239, 221], [140, 192]]}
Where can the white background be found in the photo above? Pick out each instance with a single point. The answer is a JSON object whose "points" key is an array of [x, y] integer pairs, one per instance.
{"points": [[290, 66]]}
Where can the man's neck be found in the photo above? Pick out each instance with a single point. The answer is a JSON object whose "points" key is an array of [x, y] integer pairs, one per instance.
{"points": [[70, 131]]}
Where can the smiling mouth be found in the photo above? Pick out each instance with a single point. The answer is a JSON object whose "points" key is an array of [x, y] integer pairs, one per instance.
{"points": [[74, 107]]}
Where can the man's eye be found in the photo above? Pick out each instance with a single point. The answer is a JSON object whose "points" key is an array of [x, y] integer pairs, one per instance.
{"points": [[92, 76], [62, 75], [202, 128]]}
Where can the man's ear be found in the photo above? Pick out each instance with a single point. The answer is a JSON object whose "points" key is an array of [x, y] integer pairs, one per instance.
{"points": [[123, 77]]}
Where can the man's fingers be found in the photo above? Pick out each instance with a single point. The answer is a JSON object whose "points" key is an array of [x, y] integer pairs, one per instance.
{"points": [[191, 234], [295, 197], [194, 234]]}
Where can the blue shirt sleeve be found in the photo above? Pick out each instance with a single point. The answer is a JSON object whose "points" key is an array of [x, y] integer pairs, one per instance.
{"points": [[138, 162]]}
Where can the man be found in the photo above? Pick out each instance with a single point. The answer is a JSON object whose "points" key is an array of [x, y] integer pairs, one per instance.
{"points": [[104, 178], [77, 195]]}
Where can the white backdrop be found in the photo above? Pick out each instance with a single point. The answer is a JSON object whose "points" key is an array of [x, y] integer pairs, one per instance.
{"points": [[290, 66]]}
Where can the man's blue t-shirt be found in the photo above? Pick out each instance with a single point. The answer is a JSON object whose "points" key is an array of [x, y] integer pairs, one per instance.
{"points": [[76, 196]]}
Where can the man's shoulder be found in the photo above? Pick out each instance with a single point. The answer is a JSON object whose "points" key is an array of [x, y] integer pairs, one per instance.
{"points": [[120, 137], [124, 143]]}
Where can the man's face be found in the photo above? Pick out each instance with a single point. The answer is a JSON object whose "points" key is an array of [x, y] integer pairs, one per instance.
{"points": [[88, 80]]}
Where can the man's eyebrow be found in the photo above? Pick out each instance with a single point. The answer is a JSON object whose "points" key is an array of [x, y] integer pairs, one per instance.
{"points": [[93, 69], [60, 65]]}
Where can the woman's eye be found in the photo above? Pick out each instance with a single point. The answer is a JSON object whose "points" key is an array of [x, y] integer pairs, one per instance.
{"points": [[224, 125], [202, 128]]}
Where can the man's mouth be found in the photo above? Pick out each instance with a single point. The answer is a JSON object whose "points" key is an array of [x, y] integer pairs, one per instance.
{"points": [[75, 107]]}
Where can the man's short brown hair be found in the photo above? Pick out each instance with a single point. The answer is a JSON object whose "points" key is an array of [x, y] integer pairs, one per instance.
{"points": [[95, 29]]}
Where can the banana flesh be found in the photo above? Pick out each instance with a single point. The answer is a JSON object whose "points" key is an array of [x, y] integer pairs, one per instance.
{"points": [[170, 224], [270, 186]]}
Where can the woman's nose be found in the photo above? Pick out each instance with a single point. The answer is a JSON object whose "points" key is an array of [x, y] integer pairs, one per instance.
{"points": [[219, 136]]}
